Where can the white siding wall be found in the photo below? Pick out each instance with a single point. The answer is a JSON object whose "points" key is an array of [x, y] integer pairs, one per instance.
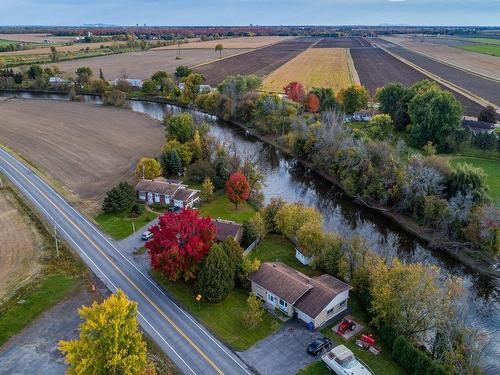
{"points": [[304, 317], [302, 258]]}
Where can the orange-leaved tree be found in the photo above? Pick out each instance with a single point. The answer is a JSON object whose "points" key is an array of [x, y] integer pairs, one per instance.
{"points": [[237, 188], [313, 103]]}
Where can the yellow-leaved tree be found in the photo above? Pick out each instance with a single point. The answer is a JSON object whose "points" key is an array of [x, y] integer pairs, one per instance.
{"points": [[110, 341], [148, 168]]}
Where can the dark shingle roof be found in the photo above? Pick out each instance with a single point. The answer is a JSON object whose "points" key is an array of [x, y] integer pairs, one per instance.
{"points": [[184, 194], [157, 187], [325, 288], [309, 295], [281, 280], [226, 229], [477, 124]]}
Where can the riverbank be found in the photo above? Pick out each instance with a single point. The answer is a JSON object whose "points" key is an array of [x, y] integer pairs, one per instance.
{"points": [[432, 239]]}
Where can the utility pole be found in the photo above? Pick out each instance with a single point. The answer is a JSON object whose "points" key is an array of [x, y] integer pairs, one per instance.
{"points": [[55, 238], [133, 226], [143, 171]]}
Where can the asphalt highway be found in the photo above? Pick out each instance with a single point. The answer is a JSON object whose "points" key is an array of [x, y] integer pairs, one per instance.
{"points": [[190, 346]]}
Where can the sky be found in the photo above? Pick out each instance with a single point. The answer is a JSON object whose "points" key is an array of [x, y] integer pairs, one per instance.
{"points": [[245, 12]]}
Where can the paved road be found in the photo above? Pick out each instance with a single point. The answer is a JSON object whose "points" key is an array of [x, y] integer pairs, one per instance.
{"points": [[190, 346]]}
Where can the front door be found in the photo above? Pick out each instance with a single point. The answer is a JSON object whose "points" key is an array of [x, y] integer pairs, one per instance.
{"points": [[150, 198], [271, 299]]}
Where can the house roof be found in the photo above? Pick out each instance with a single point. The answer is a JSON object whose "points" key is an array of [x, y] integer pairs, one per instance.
{"points": [[155, 186], [325, 288], [281, 280], [226, 229], [309, 295], [184, 194], [475, 124]]}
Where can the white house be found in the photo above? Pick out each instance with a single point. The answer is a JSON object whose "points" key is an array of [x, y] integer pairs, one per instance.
{"points": [[58, 81], [314, 300], [166, 193]]}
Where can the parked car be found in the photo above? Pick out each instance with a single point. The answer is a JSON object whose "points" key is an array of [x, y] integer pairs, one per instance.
{"points": [[343, 362], [318, 345], [174, 209], [147, 235]]}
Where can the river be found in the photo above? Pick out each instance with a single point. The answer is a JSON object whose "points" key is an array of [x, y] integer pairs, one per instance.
{"points": [[286, 178]]}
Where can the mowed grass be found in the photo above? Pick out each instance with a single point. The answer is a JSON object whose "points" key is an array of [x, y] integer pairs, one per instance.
{"points": [[36, 299], [4, 42], [221, 207], [484, 40], [492, 170], [315, 67], [315, 368], [276, 248], [120, 225], [224, 319], [487, 49]]}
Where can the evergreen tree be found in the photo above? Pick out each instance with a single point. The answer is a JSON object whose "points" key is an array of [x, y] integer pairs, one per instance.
{"points": [[171, 163], [216, 278], [119, 198]]}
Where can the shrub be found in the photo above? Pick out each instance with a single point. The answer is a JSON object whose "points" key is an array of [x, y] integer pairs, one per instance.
{"points": [[200, 170], [116, 98], [136, 210], [488, 114], [253, 316], [415, 361]]}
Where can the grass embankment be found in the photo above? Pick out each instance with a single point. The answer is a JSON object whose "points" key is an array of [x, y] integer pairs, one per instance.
{"points": [[487, 49], [221, 207], [119, 225], [223, 319], [277, 248], [490, 167], [315, 67], [59, 277]]}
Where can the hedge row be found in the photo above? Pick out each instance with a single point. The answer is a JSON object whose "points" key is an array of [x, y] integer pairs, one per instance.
{"points": [[415, 360]]}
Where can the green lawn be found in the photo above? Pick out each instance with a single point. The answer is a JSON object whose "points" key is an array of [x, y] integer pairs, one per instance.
{"points": [[315, 368], [277, 248], [39, 297], [484, 40], [221, 207], [120, 226], [4, 42], [487, 49], [223, 319], [492, 170]]}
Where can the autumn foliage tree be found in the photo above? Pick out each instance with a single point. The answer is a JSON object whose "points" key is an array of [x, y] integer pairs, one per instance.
{"points": [[313, 103], [110, 341], [295, 91], [180, 241], [237, 188]]}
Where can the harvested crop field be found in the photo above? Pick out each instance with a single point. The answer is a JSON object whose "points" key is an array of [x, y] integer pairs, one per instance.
{"points": [[143, 64], [20, 250], [315, 67], [485, 88], [435, 48], [343, 42], [46, 50], [87, 148], [377, 68], [243, 42], [260, 62], [36, 38]]}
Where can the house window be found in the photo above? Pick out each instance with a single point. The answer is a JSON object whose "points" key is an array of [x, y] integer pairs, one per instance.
{"points": [[167, 199], [157, 198], [142, 195], [270, 298], [283, 305], [329, 311]]}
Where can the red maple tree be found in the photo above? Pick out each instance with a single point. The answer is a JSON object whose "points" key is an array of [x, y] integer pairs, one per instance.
{"points": [[180, 241], [313, 103], [295, 91], [237, 188]]}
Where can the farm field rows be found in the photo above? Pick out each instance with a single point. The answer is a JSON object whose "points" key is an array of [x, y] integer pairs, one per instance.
{"points": [[142, 65], [347, 42], [315, 67], [36, 38], [377, 68], [442, 49], [86, 148], [46, 50], [242, 42], [260, 62], [20, 248], [487, 49], [485, 88]]}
